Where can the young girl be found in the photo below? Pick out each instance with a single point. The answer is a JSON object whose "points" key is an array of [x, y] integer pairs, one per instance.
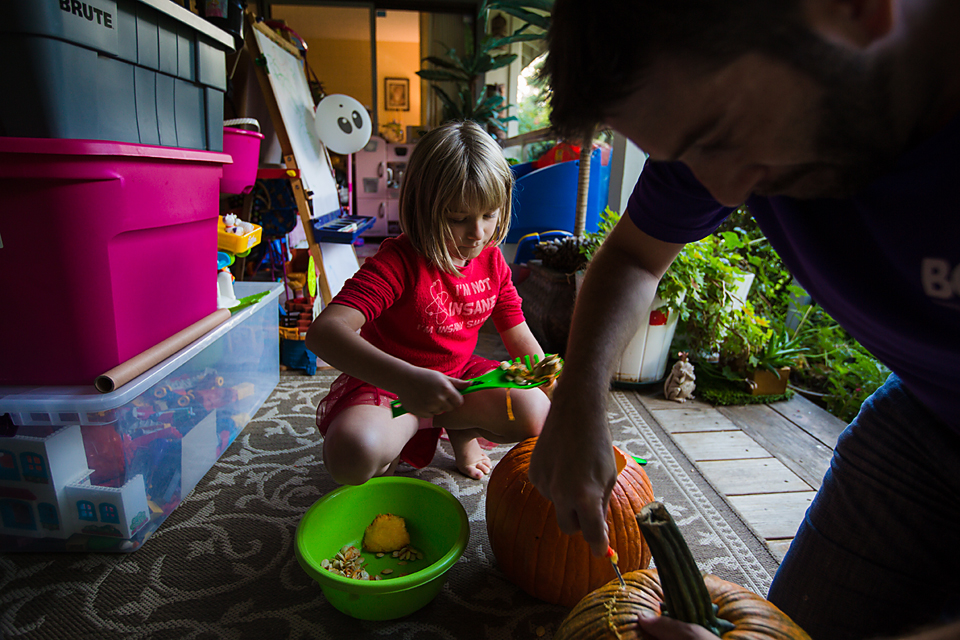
{"points": [[418, 305]]}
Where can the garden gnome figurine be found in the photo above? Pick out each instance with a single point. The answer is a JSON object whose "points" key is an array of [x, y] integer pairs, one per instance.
{"points": [[680, 383]]}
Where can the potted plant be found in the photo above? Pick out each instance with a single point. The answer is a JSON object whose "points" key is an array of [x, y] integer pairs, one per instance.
{"points": [[771, 371], [697, 294], [551, 280], [472, 101], [754, 359]]}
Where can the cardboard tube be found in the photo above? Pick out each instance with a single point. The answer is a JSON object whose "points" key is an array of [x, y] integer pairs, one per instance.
{"points": [[130, 369]]}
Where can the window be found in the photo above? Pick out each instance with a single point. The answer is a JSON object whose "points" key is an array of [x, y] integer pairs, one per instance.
{"points": [[8, 466], [48, 516], [85, 511], [108, 513], [34, 467], [16, 514]]}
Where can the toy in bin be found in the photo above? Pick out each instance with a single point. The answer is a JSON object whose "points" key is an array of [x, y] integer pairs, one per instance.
{"points": [[235, 237]]}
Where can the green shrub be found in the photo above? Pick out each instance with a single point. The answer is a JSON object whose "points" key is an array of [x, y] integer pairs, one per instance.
{"points": [[773, 328], [830, 366]]}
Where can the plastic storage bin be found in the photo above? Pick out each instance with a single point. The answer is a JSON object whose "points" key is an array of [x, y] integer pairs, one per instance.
{"points": [[546, 199], [84, 471], [244, 147], [141, 71], [108, 249]]}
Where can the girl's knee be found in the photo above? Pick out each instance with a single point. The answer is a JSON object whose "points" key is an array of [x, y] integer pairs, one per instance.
{"points": [[528, 423], [531, 427], [350, 459]]}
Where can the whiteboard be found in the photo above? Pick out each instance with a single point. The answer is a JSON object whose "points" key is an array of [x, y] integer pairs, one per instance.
{"points": [[295, 103], [340, 263], [289, 84]]}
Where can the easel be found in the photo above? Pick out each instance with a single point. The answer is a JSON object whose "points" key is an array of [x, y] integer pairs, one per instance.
{"points": [[301, 196]]}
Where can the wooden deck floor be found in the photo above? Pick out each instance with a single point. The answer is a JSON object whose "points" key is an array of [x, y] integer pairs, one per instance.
{"points": [[768, 460]]}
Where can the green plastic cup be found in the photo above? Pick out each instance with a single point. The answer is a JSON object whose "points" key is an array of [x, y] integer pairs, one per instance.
{"points": [[436, 522]]}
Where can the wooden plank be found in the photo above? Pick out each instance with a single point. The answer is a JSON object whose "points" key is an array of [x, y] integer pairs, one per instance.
{"points": [[779, 548], [719, 445], [303, 208], [773, 515], [798, 450], [821, 424], [653, 399], [758, 475], [692, 419]]}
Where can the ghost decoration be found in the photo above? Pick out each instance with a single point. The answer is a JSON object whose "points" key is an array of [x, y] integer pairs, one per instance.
{"points": [[343, 124], [680, 385]]}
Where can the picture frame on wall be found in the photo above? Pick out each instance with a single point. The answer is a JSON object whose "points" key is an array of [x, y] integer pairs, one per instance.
{"points": [[396, 93]]}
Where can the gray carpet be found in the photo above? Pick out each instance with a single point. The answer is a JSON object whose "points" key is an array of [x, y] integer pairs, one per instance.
{"points": [[223, 564]]}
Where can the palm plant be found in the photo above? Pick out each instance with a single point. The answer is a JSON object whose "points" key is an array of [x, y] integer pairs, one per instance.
{"points": [[470, 101]]}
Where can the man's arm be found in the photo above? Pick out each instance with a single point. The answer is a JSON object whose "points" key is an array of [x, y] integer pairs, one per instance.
{"points": [[572, 464]]}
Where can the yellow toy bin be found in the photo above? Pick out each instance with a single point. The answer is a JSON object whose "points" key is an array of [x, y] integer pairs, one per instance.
{"points": [[237, 244]]}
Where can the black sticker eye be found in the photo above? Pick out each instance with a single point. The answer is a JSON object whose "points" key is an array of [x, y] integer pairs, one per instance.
{"points": [[344, 125], [357, 120]]}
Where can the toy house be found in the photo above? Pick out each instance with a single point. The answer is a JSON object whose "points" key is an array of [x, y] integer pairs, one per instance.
{"points": [[45, 491]]}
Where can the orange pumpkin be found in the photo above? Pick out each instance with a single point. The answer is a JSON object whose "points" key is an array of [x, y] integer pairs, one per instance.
{"points": [[542, 560], [728, 609]]}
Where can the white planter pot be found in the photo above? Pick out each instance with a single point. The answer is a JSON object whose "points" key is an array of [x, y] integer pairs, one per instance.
{"points": [[744, 282], [644, 359]]}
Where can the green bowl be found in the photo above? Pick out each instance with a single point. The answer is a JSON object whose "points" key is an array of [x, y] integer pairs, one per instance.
{"points": [[438, 527]]}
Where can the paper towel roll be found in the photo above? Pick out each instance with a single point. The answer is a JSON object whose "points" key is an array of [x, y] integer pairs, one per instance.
{"points": [[127, 371]]}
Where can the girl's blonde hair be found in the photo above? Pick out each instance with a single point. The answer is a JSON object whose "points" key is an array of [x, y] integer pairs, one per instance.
{"points": [[457, 167]]}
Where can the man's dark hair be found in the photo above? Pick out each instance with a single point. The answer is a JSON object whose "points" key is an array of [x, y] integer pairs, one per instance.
{"points": [[600, 51]]}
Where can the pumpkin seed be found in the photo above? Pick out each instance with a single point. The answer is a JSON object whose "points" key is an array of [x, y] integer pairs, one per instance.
{"points": [[348, 562]]}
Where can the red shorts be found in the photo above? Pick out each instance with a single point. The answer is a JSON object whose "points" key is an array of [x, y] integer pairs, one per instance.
{"points": [[347, 391]]}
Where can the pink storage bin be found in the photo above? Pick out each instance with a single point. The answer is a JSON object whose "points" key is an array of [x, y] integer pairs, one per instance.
{"points": [[244, 147], [106, 249]]}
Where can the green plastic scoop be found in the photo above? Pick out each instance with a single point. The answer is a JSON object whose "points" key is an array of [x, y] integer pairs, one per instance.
{"points": [[495, 379]]}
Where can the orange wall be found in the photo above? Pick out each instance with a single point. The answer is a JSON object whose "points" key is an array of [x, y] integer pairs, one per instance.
{"points": [[343, 66], [399, 60]]}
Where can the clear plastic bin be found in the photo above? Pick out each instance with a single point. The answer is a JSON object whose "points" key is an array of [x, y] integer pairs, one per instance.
{"points": [[99, 472]]}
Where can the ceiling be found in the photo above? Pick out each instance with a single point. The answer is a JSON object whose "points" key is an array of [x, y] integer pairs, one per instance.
{"points": [[348, 23]]}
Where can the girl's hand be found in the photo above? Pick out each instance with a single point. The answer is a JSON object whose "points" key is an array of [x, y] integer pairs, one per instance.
{"points": [[427, 393]]}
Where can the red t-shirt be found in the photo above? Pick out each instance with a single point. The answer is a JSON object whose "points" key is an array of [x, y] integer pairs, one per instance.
{"points": [[425, 316]]}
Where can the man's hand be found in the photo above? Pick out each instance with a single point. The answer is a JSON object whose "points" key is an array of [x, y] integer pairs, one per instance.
{"points": [[573, 466], [663, 628]]}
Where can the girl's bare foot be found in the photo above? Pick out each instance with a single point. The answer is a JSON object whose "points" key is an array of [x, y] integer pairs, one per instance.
{"points": [[472, 460]]}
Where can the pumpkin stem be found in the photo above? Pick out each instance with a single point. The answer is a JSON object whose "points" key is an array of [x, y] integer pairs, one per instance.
{"points": [[684, 592]]}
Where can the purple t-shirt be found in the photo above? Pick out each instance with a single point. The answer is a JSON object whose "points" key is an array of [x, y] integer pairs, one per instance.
{"points": [[885, 264]]}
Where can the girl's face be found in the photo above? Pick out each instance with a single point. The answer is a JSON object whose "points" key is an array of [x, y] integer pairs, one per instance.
{"points": [[471, 233]]}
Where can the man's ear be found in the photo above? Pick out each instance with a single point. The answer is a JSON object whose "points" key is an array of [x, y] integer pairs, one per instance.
{"points": [[858, 22]]}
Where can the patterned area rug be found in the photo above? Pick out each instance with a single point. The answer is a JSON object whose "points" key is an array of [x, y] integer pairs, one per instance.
{"points": [[223, 564]]}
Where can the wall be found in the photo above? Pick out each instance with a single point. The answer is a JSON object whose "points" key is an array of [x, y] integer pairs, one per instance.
{"points": [[343, 66], [628, 162], [399, 60]]}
